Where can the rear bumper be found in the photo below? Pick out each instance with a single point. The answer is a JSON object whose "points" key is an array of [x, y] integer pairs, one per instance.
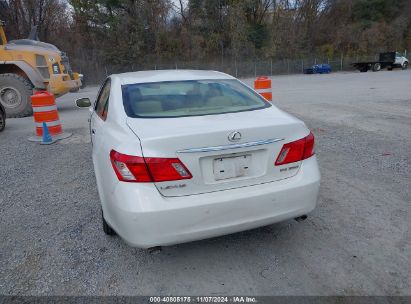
{"points": [[144, 218]]}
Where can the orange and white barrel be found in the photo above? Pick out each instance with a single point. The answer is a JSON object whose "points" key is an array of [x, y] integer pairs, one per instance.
{"points": [[45, 111], [263, 86]]}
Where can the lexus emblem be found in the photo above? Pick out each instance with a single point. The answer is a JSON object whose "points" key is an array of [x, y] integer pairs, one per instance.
{"points": [[234, 136]]}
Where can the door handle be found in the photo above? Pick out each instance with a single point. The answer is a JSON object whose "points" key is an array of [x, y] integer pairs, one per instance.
{"points": [[93, 131]]}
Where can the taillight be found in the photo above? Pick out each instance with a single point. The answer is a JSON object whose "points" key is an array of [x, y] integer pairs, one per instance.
{"points": [[129, 168], [309, 146], [147, 169], [296, 151]]}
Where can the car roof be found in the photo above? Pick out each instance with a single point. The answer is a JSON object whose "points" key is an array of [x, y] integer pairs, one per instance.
{"points": [[168, 75]]}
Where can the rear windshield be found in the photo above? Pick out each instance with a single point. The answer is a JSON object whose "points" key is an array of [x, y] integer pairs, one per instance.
{"points": [[189, 98]]}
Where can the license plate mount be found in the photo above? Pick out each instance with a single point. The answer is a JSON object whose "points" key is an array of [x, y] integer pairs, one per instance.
{"points": [[231, 167]]}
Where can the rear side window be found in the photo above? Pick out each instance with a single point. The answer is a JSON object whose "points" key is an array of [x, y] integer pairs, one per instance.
{"points": [[101, 106], [189, 98]]}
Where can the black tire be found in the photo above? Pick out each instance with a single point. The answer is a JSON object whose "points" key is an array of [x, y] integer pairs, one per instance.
{"points": [[106, 227], [376, 67], [364, 70], [405, 65], [83, 83], [15, 92], [2, 119], [389, 68]]}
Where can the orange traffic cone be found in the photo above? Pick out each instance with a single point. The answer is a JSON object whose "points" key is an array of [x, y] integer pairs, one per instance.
{"points": [[45, 112], [263, 86]]}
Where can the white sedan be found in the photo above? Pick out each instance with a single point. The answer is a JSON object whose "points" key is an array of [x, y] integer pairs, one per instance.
{"points": [[183, 155]]}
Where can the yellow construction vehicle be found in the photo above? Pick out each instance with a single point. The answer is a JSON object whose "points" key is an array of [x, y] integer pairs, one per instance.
{"points": [[28, 64]]}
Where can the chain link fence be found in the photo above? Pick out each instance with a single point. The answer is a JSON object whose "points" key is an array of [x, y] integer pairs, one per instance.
{"points": [[239, 68]]}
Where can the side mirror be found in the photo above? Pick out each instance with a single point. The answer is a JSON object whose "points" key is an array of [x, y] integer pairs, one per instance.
{"points": [[83, 102]]}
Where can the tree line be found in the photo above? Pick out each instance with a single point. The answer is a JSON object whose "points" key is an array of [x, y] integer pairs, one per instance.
{"points": [[133, 32]]}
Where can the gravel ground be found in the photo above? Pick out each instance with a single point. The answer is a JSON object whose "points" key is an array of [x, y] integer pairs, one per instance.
{"points": [[356, 242]]}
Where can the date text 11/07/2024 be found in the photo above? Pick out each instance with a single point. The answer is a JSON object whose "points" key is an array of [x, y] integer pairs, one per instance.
{"points": [[205, 299]]}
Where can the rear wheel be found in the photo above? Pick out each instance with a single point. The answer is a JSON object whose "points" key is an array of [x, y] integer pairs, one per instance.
{"points": [[364, 69], [376, 67], [83, 82], [15, 92], [405, 65], [106, 227], [2, 120]]}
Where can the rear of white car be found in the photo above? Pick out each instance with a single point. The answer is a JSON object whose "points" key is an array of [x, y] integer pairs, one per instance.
{"points": [[171, 170]]}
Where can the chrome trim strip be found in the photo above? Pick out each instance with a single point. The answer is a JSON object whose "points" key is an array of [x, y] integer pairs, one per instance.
{"points": [[228, 147]]}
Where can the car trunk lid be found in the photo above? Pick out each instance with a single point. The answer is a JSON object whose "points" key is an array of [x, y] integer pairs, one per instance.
{"points": [[216, 163]]}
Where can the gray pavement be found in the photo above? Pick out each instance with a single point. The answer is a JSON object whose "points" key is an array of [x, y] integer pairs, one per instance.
{"points": [[356, 242]]}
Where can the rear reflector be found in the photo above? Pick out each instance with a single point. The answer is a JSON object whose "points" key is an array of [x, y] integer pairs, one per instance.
{"points": [[147, 169], [296, 151]]}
